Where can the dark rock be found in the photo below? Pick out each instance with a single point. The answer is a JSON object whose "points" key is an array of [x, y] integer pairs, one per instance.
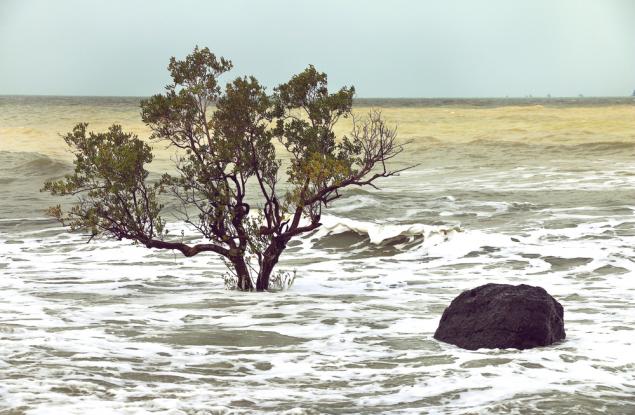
{"points": [[502, 316]]}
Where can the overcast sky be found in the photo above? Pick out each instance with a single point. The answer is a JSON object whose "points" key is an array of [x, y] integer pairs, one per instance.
{"points": [[396, 48]]}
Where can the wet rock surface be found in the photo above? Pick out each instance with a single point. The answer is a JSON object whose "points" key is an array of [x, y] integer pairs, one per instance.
{"points": [[502, 316]]}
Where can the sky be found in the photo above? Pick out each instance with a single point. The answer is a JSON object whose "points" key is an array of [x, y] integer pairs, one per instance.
{"points": [[396, 48]]}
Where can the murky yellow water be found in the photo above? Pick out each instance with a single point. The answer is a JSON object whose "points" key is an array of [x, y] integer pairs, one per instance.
{"points": [[36, 127]]}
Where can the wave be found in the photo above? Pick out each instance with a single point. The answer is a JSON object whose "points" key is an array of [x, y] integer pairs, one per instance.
{"points": [[27, 164], [380, 233], [603, 146], [355, 202], [554, 143], [42, 167], [497, 143]]}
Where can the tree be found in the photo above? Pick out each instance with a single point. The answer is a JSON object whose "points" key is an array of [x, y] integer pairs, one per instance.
{"points": [[226, 151]]}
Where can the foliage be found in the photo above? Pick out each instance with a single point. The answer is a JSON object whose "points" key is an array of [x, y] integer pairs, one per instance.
{"points": [[226, 140], [110, 182]]}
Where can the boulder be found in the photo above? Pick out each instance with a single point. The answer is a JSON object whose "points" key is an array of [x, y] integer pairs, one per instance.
{"points": [[502, 316]]}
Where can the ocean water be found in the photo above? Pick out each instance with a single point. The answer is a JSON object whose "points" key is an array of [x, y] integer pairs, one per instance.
{"points": [[534, 192]]}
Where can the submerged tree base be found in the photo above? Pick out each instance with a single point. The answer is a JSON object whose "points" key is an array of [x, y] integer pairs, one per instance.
{"points": [[279, 281]]}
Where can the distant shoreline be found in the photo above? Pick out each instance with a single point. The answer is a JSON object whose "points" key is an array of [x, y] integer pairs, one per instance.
{"points": [[358, 102]]}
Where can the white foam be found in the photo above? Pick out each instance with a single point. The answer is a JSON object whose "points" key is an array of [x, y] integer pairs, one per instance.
{"points": [[112, 328]]}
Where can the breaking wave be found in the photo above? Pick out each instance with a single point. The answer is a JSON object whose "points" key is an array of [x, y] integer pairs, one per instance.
{"points": [[380, 233]]}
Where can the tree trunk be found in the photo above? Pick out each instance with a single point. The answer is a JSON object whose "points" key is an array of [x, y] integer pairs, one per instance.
{"points": [[262, 283], [244, 282], [269, 261]]}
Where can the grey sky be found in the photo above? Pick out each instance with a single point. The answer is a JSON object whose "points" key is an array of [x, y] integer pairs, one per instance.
{"points": [[389, 48]]}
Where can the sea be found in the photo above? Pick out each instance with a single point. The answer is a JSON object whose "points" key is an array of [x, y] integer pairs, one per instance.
{"points": [[516, 191]]}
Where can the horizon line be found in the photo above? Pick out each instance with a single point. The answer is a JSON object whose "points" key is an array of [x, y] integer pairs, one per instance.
{"points": [[355, 98]]}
